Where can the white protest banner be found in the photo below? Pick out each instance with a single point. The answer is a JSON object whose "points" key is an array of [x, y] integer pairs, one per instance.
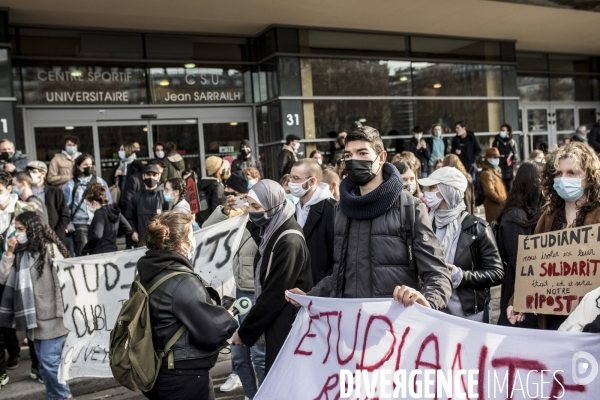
{"points": [[377, 348], [95, 287]]}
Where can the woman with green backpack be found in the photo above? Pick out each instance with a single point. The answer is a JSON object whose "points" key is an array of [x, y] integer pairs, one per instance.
{"points": [[181, 305]]}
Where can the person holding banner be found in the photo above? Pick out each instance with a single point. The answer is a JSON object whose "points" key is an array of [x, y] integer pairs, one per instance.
{"points": [[182, 300], [32, 299], [571, 187], [468, 243], [284, 263]]}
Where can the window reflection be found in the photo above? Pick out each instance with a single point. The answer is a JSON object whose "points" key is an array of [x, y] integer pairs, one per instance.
{"points": [[437, 79], [533, 88], [481, 116]]}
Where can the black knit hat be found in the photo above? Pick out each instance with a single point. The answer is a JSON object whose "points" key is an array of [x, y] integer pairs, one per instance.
{"points": [[238, 181], [245, 142]]}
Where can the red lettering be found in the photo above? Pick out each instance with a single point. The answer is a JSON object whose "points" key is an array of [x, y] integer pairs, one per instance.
{"points": [[574, 268], [569, 300], [550, 301], [387, 355], [559, 303], [542, 300], [346, 360], [545, 270], [481, 382], [436, 366], [404, 335], [566, 269], [582, 268], [595, 262], [558, 392], [457, 360], [529, 301], [328, 314], [330, 384], [307, 334], [513, 363]]}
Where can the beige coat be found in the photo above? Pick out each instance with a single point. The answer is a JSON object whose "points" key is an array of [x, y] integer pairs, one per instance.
{"points": [[60, 170], [494, 191]]}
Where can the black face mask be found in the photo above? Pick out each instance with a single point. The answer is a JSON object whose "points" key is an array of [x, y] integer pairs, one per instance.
{"points": [[246, 151], [150, 182], [87, 171], [7, 155], [229, 194], [360, 171]]}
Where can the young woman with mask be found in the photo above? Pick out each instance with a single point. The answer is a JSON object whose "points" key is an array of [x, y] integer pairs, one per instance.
{"points": [[181, 300], [316, 154], [27, 263], [492, 184], [75, 190], [409, 179], [468, 244], [437, 146], [519, 216], [284, 263], [127, 166], [571, 186], [107, 222], [174, 193]]}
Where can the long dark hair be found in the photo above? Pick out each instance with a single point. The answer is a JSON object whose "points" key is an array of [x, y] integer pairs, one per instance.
{"points": [[40, 235], [78, 161], [526, 195]]}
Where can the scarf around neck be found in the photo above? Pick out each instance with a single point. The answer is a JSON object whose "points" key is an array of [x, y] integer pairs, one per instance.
{"points": [[17, 307], [372, 204], [450, 218], [124, 163]]}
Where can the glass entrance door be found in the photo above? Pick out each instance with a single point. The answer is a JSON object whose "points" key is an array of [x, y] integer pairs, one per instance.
{"points": [[184, 134], [112, 135], [537, 126], [49, 140], [562, 121]]}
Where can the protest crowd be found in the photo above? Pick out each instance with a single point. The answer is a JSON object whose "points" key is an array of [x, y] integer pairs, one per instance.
{"points": [[437, 225]]}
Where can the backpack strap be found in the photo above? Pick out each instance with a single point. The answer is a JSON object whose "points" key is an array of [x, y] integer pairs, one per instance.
{"points": [[408, 229], [167, 350], [280, 236]]}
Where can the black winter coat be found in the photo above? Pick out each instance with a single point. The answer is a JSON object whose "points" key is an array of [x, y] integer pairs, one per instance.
{"points": [[505, 147], [107, 224], [144, 206], [272, 314], [422, 154], [377, 256], [318, 232], [508, 236], [242, 162], [183, 299], [470, 150], [58, 212], [477, 255], [133, 185], [594, 137], [215, 196], [135, 167]]}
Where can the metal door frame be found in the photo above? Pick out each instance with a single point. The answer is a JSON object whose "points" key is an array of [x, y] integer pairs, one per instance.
{"points": [[94, 116]]}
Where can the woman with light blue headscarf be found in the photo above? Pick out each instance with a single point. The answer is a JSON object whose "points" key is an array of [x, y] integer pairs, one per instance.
{"points": [[284, 263], [470, 250]]}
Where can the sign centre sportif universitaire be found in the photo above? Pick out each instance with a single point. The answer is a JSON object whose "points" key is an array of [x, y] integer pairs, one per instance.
{"points": [[127, 85]]}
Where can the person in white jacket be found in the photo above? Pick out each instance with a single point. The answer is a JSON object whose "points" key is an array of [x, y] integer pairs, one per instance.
{"points": [[585, 313]]}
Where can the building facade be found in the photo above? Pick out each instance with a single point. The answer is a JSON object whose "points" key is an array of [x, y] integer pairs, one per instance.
{"points": [[206, 93]]}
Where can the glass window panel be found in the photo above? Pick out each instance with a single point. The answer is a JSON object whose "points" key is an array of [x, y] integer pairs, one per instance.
{"points": [[532, 61], [179, 85], [196, 47], [537, 120], [353, 43], [112, 137], [570, 63], [223, 139], [565, 119], [49, 141], [588, 117], [586, 88], [533, 88], [5, 74], [73, 84], [480, 116], [454, 48], [71, 43], [538, 142], [185, 137], [520, 119], [562, 89], [335, 77], [437, 79]]}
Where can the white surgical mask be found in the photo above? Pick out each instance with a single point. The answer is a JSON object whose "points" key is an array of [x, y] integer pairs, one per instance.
{"points": [[296, 146], [35, 177], [297, 190], [320, 161], [539, 159], [418, 136], [432, 200], [495, 162], [4, 198], [21, 237], [122, 154], [160, 154]]}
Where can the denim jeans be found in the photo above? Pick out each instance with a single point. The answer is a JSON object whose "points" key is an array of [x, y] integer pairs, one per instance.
{"points": [[248, 362], [48, 352]]}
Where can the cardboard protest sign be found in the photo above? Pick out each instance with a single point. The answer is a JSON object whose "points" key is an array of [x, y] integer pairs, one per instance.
{"points": [[379, 349], [192, 194], [95, 287], [554, 270]]}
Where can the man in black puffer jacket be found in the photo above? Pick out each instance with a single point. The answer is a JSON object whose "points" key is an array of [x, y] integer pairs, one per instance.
{"points": [[371, 255]]}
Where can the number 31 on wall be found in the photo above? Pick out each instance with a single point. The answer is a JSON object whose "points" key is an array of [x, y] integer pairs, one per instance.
{"points": [[4, 125], [293, 119]]}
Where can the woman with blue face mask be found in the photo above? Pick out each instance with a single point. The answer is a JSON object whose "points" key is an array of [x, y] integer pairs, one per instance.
{"points": [[492, 185], [571, 186], [284, 263]]}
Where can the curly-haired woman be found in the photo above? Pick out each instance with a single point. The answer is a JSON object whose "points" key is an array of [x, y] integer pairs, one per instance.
{"points": [[571, 185], [32, 298]]}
